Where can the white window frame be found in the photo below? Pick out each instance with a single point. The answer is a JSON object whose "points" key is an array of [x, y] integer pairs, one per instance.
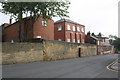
{"points": [[82, 29], [78, 41], [68, 27], [78, 29], [74, 40], [98, 42], [44, 23], [38, 36], [59, 39], [74, 28], [83, 41], [59, 28], [68, 40]]}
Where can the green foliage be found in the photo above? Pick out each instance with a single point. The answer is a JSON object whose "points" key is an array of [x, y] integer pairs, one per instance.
{"points": [[93, 34], [100, 35], [113, 37], [116, 43], [46, 9], [111, 41]]}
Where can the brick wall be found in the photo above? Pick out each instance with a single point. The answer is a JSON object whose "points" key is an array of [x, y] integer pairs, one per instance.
{"points": [[65, 34], [79, 36], [28, 31], [46, 32], [59, 34], [11, 32]]}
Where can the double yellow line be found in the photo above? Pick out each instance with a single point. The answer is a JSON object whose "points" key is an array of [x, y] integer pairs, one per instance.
{"points": [[110, 65]]}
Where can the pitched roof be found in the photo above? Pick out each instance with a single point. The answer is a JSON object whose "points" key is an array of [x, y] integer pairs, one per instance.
{"points": [[5, 24], [67, 20], [15, 22], [94, 37], [102, 37]]}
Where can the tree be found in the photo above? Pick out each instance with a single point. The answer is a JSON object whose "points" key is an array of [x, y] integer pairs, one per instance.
{"points": [[35, 9], [115, 41], [100, 35], [93, 34]]}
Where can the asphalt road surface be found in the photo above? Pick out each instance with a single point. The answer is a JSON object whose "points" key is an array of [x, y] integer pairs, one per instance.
{"points": [[88, 67]]}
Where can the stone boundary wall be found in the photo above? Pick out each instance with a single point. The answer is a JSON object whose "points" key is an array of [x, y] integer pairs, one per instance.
{"points": [[105, 49], [47, 50], [88, 50], [21, 52]]}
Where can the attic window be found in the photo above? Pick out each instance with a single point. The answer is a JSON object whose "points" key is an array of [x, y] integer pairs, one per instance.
{"points": [[44, 23]]}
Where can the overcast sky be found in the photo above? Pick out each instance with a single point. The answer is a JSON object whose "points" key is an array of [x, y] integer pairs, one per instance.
{"points": [[96, 15]]}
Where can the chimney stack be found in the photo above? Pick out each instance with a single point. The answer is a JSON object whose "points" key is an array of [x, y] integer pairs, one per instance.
{"points": [[88, 33], [10, 19]]}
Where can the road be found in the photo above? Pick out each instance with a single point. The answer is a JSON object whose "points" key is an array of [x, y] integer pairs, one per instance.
{"points": [[88, 67]]}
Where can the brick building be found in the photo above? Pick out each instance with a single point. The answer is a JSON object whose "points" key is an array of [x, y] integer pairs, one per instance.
{"points": [[96, 39], [92, 39], [40, 29], [70, 31], [5, 24]]}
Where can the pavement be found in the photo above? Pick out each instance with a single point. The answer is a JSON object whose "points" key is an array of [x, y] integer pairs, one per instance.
{"points": [[88, 67]]}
